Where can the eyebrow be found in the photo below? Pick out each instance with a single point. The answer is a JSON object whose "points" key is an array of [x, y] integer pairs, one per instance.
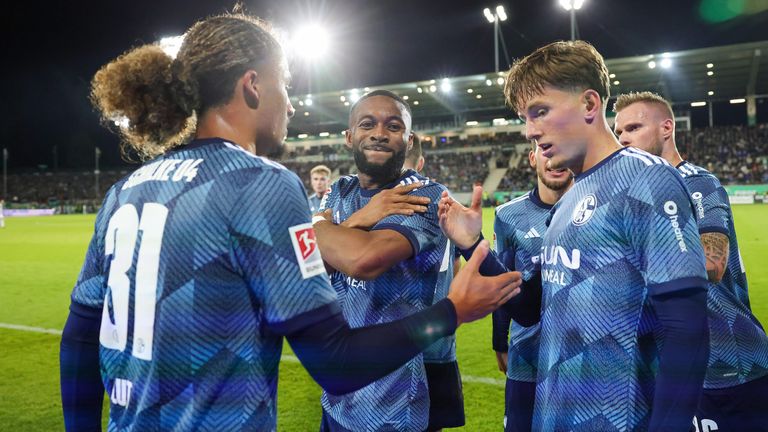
{"points": [[388, 119]]}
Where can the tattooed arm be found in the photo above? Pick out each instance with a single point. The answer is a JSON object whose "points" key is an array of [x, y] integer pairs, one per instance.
{"points": [[716, 254]]}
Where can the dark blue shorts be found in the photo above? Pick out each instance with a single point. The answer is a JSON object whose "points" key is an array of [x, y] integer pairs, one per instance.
{"points": [[740, 408], [518, 406], [446, 399]]}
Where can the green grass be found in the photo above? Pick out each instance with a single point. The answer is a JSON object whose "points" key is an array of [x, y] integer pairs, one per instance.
{"points": [[41, 257]]}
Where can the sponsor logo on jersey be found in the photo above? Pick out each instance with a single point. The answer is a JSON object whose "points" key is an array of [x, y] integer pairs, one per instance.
{"points": [[670, 208], [697, 202], [554, 255], [532, 233], [307, 253], [174, 170], [705, 425], [584, 210], [121, 392]]}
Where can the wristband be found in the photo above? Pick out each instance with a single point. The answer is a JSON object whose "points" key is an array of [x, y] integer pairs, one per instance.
{"points": [[316, 219]]}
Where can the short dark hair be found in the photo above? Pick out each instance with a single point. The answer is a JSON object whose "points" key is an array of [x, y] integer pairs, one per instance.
{"points": [[416, 151], [380, 92]]}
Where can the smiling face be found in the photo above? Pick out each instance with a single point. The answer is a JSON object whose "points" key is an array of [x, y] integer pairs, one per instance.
{"points": [[555, 122], [379, 136]]}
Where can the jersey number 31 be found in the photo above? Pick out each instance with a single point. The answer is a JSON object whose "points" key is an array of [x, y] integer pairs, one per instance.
{"points": [[120, 242]]}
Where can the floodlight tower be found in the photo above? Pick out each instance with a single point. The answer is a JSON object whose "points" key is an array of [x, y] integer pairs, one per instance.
{"points": [[572, 6], [493, 17]]}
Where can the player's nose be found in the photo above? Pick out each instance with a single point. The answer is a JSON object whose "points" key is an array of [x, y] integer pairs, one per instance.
{"points": [[531, 131]]}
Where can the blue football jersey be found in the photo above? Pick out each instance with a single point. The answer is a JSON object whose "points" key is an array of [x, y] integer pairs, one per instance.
{"points": [[400, 400], [201, 260], [738, 345], [519, 228], [625, 229]]}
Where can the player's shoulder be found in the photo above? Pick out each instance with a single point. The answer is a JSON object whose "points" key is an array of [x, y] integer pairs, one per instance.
{"points": [[690, 172], [642, 161], [429, 188], [514, 206], [344, 184]]}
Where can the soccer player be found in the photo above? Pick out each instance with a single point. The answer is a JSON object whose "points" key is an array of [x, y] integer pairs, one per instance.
{"points": [[396, 268], [446, 401], [518, 227], [736, 381], [204, 258], [623, 236], [320, 177]]}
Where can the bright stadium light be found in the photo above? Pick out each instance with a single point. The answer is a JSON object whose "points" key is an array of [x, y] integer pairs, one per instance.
{"points": [[489, 15], [488, 82], [310, 42], [171, 45], [698, 104], [308, 101], [471, 123], [469, 90], [323, 134], [710, 73], [500, 80], [433, 88], [354, 95], [651, 64], [494, 17], [710, 65], [572, 6], [738, 101], [405, 97], [710, 93], [666, 61], [445, 85], [612, 76], [302, 136], [501, 13]]}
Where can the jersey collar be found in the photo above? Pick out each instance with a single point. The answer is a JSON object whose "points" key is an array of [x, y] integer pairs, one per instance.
{"points": [[371, 192], [536, 199], [586, 173]]}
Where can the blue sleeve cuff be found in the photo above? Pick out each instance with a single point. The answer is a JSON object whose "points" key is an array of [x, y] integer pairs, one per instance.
{"points": [[405, 231], [714, 229], [677, 285], [305, 319]]}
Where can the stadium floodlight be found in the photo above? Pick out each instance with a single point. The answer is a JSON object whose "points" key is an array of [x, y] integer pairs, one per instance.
{"points": [[418, 89], [494, 17], [698, 104], [651, 64], [471, 123], [710, 73], [710, 93], [501, 13], [500, 121], [324, 134], [738, 101], [469, 90], [310, 42], [666, 61], [405, 97], [500, 80], [612, 76], [489, 15], [343, 98], [433, 88], [710, 65], [617, 82], [479, 96], [171, 45], [302, 136], [354, 95], [445, 85], [308, 101], [488, 82], [415, 102], [572, 6]]}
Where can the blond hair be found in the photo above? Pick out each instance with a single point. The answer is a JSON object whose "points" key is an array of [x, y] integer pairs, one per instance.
{"points": [[572, 66], [321, 169], [627, 99]]}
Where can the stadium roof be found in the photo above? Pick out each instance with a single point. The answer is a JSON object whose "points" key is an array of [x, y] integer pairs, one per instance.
{"points": [[728, 72]]}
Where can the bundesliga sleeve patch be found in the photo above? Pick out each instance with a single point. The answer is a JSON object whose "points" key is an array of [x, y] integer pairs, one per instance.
{"points": [[307, 253]]}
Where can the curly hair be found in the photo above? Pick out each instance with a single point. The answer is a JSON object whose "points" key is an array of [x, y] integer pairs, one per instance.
{"points": [[156, 99]]}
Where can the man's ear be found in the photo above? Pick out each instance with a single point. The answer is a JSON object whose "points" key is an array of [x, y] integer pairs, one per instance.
{"points": [[667, 128], [532, 158], [348, 138], [593, 105], [250, 85]]}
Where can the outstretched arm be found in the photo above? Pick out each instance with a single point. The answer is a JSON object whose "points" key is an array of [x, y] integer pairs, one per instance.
{"points": [[716, 254]]}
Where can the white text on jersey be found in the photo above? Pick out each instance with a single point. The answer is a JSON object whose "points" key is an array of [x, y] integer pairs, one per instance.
{"points": [[164, 170]]}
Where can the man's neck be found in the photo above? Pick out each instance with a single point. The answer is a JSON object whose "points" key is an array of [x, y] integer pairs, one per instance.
{"points": [[223, 123], [367, 182], [599, 149], [550, 196], [670, 154]]}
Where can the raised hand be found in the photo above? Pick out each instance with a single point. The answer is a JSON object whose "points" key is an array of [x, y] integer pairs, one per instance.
{"points": [[461, 224]]}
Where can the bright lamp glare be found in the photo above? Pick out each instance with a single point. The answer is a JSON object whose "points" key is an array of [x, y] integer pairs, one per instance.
{"points": [[651, 64], [698, 104], [666, 63], [445, 86], [501, 13], [577, 4], [310, 42], [488, 15], [171, 45], [566, 4], [354, 95]]}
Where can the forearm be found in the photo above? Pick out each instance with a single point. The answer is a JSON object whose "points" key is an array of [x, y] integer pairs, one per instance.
{"points": [[525, 308], [491, 265], [342, 248], [683, 358], [342, 359], [500, 331], [82, 391]]}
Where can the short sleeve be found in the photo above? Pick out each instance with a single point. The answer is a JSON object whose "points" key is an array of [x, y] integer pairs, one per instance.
{"points": [[91, 286], [275, 247], [331, 197], [662, 231], [710, 201], [421, 229]]}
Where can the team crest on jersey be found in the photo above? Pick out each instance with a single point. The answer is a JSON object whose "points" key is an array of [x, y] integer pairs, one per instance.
{"points": [[307, 253], [584, 210]]}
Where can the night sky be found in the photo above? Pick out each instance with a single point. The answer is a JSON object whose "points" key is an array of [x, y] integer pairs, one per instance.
{"points": [[52, 49]]}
